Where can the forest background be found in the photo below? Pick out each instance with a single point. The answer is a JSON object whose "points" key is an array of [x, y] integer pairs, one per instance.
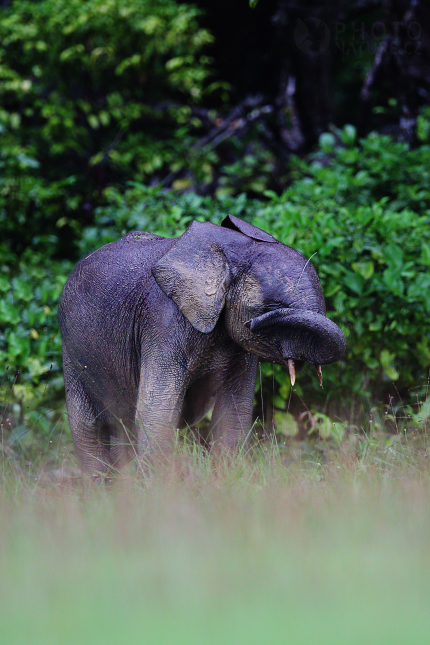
{"points": [[309, 119]]}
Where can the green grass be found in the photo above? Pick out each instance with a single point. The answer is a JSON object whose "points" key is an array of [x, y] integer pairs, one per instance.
{"points": [[277, 549]]}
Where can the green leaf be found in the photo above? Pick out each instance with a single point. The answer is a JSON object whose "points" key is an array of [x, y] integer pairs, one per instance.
{"points": [[392, 373], [365, 269], [327, 141], [394, 256], [285, 424], [348, 135], [325, 425], [425, 254], [93, 121], [339, 301], [18, 345], [354, 281], [424, 412], [27, 162], [387, 359], [9, 313], [423, 127], [5, 283], [392, 281], [23, 290], [332, 289]]}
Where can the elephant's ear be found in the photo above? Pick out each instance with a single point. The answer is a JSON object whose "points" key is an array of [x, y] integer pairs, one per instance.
{"points": [[249, 230], [194, 273]]}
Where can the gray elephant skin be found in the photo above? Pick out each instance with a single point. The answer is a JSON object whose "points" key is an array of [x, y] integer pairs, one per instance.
{"points": [[156, 331]]}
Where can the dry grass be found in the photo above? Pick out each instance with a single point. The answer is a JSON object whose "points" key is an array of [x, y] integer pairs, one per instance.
{"points": [[328, 547]]}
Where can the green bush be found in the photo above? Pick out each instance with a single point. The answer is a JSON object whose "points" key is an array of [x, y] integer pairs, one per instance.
{"points": [[367, 215], [31, 379], [92, 92], [361, 209]]}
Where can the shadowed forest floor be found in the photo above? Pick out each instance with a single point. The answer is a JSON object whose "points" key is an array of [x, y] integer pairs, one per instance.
{"points": [[263, 550]]}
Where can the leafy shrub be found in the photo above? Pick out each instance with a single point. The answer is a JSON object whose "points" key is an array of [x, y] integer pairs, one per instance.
{"points": [[92, 92], [164, 213], [365, 210], [30, 343], [361, 209]]}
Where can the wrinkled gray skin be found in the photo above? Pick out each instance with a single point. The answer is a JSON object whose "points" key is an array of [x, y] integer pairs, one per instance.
{"points": [[156, 331]]}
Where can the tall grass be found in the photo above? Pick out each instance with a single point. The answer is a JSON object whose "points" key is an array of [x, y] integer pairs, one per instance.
{"points": [[273, 548]]}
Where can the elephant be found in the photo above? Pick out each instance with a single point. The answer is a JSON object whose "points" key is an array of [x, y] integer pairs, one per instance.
{"points": [[157, 331]]}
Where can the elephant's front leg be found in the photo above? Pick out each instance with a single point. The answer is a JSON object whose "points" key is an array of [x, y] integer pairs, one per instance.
{"points": [[159, 407], [232, 413]]}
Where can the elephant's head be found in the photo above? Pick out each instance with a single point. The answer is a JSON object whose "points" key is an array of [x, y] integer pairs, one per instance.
{"points": [[267, 294]]}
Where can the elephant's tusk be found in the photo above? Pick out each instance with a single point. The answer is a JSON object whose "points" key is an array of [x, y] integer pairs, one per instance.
{"points": [[292, 371], [319, 373]]}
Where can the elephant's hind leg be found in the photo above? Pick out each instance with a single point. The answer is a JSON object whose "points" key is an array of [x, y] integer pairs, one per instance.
{"points": [[88, 424]]}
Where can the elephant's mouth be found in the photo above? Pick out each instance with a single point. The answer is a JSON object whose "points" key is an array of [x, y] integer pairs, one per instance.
{"points": [[304, 336]]}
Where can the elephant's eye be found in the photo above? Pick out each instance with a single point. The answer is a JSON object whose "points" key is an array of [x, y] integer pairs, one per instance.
{"points": [[274, 305]]}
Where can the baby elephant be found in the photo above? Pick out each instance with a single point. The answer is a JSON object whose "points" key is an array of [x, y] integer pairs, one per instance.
{"points": [[156, 331]]}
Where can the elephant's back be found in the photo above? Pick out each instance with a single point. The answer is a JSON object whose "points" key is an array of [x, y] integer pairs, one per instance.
{"points": [[116, 268], [104, 288]]}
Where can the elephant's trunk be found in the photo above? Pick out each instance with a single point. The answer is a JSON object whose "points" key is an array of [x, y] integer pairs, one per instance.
{"points": [[305, 335]]}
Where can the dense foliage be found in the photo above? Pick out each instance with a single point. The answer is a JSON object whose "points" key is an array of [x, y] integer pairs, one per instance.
{"points": [[360, 208], [363, 209], [92, 92], [108, 105]]}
